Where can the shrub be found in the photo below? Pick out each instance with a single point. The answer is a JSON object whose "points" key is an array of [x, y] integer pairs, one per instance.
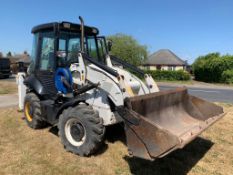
{"points": [[169, 75], [227, 76], [210, 68]]}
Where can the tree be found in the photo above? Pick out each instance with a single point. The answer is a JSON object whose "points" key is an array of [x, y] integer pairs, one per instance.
{"points": [[9, 54], [128, 48], [1, 54]]}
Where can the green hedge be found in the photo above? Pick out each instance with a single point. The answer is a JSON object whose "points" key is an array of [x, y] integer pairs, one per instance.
{"points": [[227, 76], [179, 75], [210, 68]]}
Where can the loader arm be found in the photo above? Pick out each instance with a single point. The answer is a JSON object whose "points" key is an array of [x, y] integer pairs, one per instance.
{"points": [[149, 81]]}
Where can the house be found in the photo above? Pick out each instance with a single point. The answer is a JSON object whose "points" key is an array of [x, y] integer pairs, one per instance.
{"points": [[20, 62], [164, 59]]}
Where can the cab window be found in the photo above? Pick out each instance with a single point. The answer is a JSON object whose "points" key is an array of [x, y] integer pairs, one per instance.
{"points": [[47, 52], [73, 49], [31, 67], [92, 48], [70, 44], [68, 48], [101, 48]]}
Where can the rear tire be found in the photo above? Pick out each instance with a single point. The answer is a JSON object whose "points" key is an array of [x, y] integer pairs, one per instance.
{"points": [[32, 111], [81, 130]]}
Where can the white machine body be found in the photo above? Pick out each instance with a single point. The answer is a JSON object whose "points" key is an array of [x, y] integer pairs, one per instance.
{"points": [[111, 90]]}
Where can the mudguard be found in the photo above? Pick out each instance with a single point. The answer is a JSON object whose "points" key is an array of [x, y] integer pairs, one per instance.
{"points": [[33, 83]]}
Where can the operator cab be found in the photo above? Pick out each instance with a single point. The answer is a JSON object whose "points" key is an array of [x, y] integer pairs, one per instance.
{"points": [[57, 45]]}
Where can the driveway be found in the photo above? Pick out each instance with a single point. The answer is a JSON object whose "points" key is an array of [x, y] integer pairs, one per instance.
{"points": [[8, 100], [210, 93]]}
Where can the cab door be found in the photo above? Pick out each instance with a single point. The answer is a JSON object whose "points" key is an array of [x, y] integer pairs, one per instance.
{"points": [[46, 64]]}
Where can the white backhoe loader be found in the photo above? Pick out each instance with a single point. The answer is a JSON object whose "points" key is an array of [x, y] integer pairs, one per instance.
{"points": [[74, 83]]}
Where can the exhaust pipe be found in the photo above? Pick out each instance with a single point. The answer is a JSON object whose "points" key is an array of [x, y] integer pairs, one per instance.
{"points": [[82, 33]]}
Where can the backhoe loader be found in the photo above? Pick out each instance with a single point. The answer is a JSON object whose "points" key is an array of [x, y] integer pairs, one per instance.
{"points": [[73, 82]]}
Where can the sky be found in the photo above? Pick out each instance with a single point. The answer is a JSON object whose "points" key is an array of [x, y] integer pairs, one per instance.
{"points": [[189, 28]]}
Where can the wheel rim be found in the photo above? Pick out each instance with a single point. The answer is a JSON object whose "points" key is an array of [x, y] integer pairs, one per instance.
{"points": [[28, 111], [75, 132]]}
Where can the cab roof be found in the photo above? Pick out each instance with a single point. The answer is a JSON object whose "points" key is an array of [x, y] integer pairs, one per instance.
{"points": [[65, 26]]}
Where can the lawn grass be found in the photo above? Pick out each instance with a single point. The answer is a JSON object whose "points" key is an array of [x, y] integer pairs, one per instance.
{"points": [[26, 151], [7, 87]]}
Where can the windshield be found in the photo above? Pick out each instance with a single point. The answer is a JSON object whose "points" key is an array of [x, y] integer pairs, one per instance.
{"points": [[70, 44]]}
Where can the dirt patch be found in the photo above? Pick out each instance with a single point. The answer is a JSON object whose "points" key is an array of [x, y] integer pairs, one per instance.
{"points": [[8, 86], [27, 151]]}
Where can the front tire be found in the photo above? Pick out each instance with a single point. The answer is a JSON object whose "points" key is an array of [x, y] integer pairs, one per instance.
{"points": [[32, 111], [81, 130]]}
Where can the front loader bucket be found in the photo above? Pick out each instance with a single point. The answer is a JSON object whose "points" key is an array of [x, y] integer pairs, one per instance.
{"points": [[158, 123]]}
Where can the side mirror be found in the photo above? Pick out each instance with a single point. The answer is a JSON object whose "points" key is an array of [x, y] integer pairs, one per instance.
{"points": [[109, 43]]}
